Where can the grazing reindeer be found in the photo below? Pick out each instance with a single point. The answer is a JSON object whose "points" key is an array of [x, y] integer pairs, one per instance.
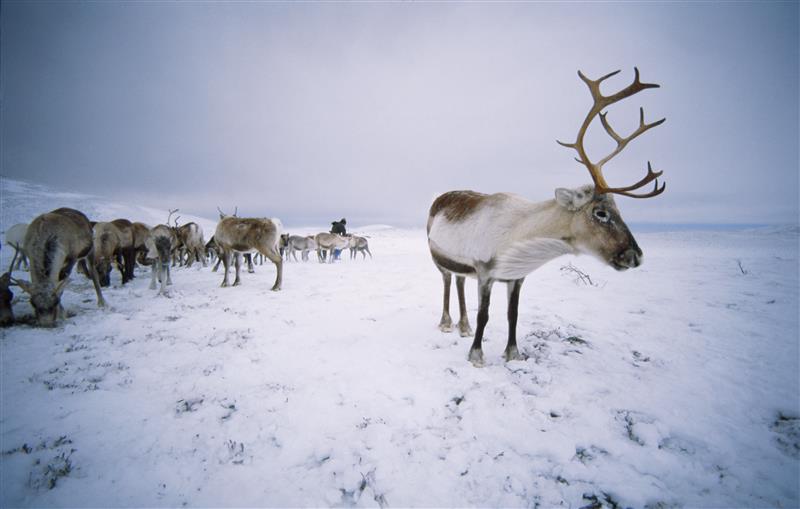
{"points": [[126, 257], [6, 296], [106, 246], [141, 232], [54, 242], [359, 244], [236, 235], [159, 251], [302, 244], [15, 236], [330, 242], [503, 237], [190, 238]]}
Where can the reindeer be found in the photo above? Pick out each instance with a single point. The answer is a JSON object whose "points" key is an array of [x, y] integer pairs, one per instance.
{"points": [[106, 246], [159, 253], [190, 237], [126, 257], [14, 237], [141, 233], [503, 237], [54, 242], [236, 235], [330, 242], [359, 244], [303, 244]]}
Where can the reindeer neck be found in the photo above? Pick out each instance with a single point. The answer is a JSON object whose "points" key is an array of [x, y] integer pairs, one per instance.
{"points": [[546, 219]]}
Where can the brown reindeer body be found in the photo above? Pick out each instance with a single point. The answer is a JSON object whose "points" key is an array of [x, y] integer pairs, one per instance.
{"points": [[55, 241], [126, 258], [106, 246], [503, 237], [235, 235]]}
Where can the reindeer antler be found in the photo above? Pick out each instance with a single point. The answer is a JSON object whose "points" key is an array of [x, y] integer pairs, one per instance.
{"points": [[170, 216], [600, 102]]}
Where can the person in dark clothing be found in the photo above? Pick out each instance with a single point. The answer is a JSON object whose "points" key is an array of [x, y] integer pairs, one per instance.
{"points": [[338, 227]]}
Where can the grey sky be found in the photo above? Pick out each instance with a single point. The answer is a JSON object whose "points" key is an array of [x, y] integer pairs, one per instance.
{"points": [[313, 111]]}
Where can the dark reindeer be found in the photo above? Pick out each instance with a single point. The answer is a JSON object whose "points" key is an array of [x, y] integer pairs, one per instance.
{"points": [[503, 237], [55, 241], [126, 257]]}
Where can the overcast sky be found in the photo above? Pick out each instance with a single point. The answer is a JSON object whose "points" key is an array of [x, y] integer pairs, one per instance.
{"points": [[314, 111]]}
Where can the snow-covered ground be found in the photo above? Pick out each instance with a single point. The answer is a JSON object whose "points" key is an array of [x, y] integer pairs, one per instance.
{"points": [[675, 384]]}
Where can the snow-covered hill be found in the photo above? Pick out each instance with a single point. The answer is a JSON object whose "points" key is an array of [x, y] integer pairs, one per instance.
{"points": [[675, 384]]}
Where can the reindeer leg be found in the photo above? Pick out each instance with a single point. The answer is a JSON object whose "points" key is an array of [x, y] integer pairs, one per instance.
{"points": [[463, 320], [219, 260], [446, 323], [278, 261], [154, 268], [169, 279], [485, 293], [225, 257], [511, 352], [237, 282], [101, 302]]}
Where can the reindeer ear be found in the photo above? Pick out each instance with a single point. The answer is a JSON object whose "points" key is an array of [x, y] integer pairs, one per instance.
{"points": [[573, 199], [26, 286], [61, 286]]}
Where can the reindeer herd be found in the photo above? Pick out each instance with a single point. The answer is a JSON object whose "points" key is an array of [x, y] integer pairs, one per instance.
{"points": [[57, 241], [494, 238]]}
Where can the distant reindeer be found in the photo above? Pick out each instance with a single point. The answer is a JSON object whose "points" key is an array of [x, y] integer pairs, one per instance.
{"points": [[6, 296], [15, 236], [503, 237], [54, 242], [126, 253], [330, 242], [159, 253], [236, 235], [190, 238], [106, 245], [359, 244], [303, 244]]}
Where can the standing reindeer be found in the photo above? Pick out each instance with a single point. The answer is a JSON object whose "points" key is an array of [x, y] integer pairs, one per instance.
{"points": [[330, 242], [359, 244], [235, 235], [190, 238], [126, 257], [503, 237], [106, 246], [54, 242], [159, 250], [302, 244]]}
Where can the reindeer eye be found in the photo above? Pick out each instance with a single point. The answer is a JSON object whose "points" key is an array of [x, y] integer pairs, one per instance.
{"points": [[601, 215]]}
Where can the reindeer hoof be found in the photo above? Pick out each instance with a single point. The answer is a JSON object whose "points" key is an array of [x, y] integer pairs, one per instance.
{"points": [[224, 284], [476, 358], [276, 288], [237, 283], [512, 354], [465, 331], [446, 327]]}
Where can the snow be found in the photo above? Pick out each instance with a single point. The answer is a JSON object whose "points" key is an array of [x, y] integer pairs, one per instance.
{"points": [[673, 384]]}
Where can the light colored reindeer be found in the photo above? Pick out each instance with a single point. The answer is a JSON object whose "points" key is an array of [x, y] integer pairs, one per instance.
{"points": [[359, 244], [54, 242], [160, 244], [302, 244], [503, 237], [15, 237], [190, 238], [235, 236], [330, 242]]}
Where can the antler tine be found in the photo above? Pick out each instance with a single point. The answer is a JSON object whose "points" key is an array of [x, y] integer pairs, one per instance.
{"points": [[623, 142], [650, 177], [600, 102]]}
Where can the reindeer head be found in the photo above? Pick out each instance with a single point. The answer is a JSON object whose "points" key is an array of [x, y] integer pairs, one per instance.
{"points": [[45, 299], [597, 221], [598, 227]]}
